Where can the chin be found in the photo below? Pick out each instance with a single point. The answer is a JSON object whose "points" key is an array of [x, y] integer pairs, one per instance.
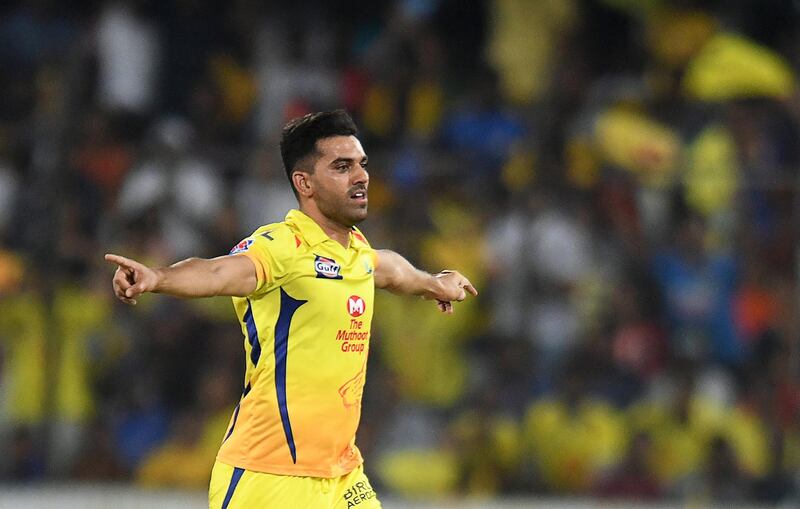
{"points": [[356, 216], [359, 216]]}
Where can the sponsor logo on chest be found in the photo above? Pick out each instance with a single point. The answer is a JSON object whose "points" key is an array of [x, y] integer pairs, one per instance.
{"points": [[355, 338], [356, 306], [327, 268]]}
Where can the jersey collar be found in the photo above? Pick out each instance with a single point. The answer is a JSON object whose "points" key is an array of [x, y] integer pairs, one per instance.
{"points": [[309, 229]]}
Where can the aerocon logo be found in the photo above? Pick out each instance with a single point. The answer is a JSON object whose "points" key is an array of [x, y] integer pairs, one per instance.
{"points": [[356, 306]]}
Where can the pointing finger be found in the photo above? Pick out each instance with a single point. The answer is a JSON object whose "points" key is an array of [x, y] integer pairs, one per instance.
{"points": [[126, 264], [471, 289], [119, 260]]}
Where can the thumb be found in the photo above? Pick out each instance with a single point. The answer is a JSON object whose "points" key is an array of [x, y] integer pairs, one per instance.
{"points": [[136, 289]]}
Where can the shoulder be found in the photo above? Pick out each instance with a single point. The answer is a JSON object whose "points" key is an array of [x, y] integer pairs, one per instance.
{"points": [[277, 239], [278, 233], [273, 250]]}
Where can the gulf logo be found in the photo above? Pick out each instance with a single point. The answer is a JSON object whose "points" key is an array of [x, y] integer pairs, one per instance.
{"points": [[326, 268], [356, 306]]}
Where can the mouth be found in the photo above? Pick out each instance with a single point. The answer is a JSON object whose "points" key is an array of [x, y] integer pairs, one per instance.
{"points": [[359, 196]]}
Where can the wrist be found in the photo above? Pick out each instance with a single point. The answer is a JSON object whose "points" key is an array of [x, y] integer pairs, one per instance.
{"points": [[158, 282], [432, 287]]}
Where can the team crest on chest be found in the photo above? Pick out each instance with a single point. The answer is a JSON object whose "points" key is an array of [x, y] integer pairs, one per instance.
{"points": [[327, 268]]}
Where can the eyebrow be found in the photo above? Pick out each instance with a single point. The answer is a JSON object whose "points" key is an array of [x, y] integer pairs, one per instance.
{"points": [[348, 160]]}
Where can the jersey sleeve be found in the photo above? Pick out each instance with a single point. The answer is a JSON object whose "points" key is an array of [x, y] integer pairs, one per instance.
{"points": [[271, 249]]}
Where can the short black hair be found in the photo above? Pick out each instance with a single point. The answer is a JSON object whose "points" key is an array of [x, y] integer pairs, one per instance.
{"points": [[299, 137]]}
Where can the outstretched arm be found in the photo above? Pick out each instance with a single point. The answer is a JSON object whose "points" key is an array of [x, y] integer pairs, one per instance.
{"points": [[193, 277], [396, 274]]}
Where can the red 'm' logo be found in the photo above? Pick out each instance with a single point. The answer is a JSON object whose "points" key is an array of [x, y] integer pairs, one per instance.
{"points": [[356, 306]]}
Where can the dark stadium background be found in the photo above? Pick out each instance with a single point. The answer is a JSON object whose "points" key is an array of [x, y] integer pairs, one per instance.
{"points": [[619, 178]]}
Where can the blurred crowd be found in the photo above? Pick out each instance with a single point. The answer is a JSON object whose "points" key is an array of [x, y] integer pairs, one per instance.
{"points": [[619, 178]]}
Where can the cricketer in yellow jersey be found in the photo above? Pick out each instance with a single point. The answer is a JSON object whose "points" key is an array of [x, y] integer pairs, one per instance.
{"points": [[303, 291]]}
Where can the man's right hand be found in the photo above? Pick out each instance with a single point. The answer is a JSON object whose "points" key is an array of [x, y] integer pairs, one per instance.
{"points": [[131, 278]]}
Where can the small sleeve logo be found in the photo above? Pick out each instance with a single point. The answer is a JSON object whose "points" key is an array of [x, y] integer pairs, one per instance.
{"points": [[242, 246]]}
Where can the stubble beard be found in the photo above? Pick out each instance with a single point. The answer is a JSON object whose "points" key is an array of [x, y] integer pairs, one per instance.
{"points": [[343, 213]]}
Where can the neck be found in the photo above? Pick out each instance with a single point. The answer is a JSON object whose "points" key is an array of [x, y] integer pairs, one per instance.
{"points": [[337, 231]]}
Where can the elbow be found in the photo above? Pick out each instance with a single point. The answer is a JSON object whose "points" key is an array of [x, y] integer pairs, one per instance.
{"points": [[216, 280], [390, 281], [232, 276]]}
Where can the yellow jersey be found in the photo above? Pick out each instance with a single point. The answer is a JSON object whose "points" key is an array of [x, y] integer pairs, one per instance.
{"points": [[306, 328]]}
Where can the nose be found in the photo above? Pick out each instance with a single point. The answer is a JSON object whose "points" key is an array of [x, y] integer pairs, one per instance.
{"points": [[360, 175]]}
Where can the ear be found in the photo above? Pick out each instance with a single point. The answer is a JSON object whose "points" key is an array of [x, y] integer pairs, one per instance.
{"points": [[302, 183]]}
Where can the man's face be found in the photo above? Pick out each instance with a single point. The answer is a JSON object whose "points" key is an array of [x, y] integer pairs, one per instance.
{"points": [[340, 179]]}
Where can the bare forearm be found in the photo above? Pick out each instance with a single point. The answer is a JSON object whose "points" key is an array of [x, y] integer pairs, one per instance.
{"points": [[397, 275], [193, 277]]}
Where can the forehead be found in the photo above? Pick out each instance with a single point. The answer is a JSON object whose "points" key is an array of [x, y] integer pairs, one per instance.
{"points": [[340, 147]]}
